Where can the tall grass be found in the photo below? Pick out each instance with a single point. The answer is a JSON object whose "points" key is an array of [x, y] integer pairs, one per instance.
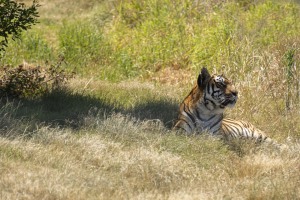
{"points": [[31, 48], [128, 39], [82, 43], [183, 34]]}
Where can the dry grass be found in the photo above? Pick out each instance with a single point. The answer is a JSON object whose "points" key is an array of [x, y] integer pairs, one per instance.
{"points": [[121, 158], [130, 156]]}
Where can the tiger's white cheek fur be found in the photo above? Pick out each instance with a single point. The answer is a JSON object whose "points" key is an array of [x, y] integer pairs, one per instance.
{"points": [[219, 79]]}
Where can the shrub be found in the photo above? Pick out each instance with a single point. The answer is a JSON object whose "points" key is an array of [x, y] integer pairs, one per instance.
{"points": [[28, 82]]}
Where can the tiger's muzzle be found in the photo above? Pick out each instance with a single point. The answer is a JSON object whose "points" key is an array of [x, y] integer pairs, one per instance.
{"points": [[230, 99]]}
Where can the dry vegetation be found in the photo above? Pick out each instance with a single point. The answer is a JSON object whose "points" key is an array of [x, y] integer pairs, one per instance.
{"points": [[111, 138], [129, 156]]}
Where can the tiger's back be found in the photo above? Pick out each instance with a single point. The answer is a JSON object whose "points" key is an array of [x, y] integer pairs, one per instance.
{"points": [[186, 120]]}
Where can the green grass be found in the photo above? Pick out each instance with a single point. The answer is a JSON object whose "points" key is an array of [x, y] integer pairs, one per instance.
{"points": [[108, 135], [119, 40]]}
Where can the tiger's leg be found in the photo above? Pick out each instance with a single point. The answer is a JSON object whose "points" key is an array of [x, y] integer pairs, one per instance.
{"points": [[184, 126], [241, 129]]}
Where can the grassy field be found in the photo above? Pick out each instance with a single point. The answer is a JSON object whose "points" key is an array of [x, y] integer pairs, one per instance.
{"points": [[108, 134]]}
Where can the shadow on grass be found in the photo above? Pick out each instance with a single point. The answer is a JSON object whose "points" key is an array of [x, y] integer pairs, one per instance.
{"points": [[66, 109], [164, 110]]}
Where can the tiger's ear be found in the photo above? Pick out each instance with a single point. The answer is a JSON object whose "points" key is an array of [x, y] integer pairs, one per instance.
{"points": [[203, 78]]}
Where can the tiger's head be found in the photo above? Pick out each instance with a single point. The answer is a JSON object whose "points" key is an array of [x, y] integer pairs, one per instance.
{"points": [[218, 91]]}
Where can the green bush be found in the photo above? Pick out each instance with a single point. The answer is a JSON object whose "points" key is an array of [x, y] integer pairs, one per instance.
{"points": [[15, 18]]}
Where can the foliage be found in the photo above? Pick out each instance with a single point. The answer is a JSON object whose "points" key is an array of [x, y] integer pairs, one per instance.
{"points": [[187, 34], [31, 47], [82, 43], [120, 40], [32, 82], [15, 18]]}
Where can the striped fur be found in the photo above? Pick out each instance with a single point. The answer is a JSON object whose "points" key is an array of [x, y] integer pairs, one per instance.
{"points": [[240, 129], [203, 108]]}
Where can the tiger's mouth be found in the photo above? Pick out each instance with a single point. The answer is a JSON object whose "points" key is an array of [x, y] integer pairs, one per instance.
{"points": [[229, 102]]}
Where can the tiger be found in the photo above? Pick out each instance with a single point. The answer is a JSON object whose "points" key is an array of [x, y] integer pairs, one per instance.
{"points": [[203, 110]]}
